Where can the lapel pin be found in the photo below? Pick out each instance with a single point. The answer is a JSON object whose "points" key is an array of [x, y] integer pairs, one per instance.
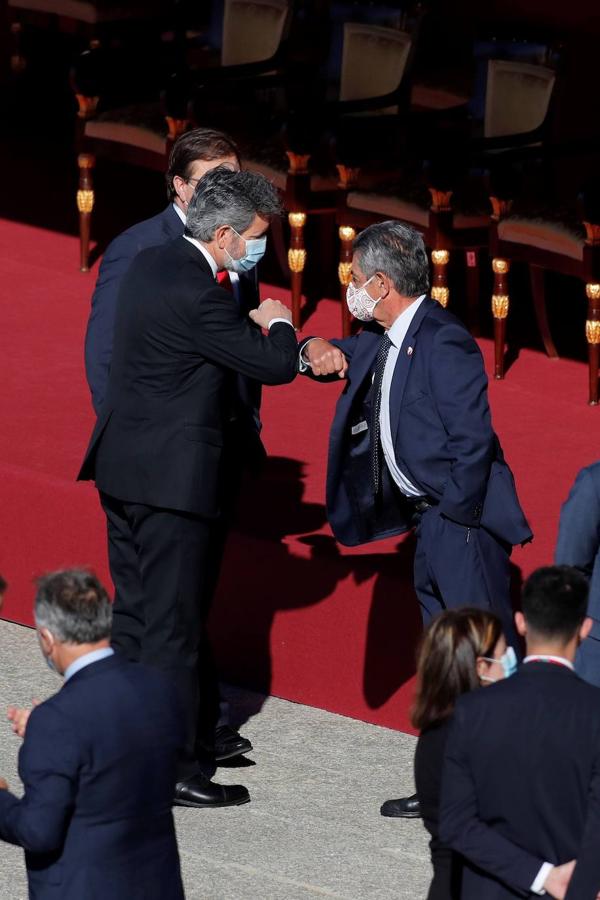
{"points": [[409, 351]]}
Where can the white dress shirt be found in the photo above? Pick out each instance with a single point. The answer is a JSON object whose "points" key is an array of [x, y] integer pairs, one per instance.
{"points": [[396, 334]]}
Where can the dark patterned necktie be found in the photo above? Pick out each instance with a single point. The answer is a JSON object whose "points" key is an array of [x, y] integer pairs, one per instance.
{"points": [[376, 448]]}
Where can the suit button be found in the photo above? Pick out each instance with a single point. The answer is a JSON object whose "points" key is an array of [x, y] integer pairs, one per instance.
{"points": [[477, 511]]}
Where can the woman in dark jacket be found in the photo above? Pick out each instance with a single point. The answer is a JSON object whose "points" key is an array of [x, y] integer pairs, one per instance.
{"points": [[462, 649]]}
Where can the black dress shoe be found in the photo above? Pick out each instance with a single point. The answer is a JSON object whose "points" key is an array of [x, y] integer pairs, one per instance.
{"points": [[227, 744], [202, 793], [404, 808]]}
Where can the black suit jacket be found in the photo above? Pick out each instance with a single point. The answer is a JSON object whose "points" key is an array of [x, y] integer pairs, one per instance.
{"points": [[120, 253], [521, 783], [98, 765], [179, 342]]}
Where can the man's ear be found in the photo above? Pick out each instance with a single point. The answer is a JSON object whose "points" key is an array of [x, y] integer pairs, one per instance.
{"points": [[520, 623], [383, 284], [220, 235], [586, 627], [178, 185], [47, 641]]}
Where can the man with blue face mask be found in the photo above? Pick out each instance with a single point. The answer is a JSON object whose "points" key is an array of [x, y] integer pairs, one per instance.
{"points": [[165, 450], [412, 444]]}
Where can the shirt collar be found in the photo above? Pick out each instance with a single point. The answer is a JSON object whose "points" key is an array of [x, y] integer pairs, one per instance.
{"points": [[400, 326], [545, 657], [180, 213], [86, 660], [204, 252]]}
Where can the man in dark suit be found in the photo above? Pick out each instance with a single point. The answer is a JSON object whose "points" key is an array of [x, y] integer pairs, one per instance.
{"points": [[412, 443], [159, 451], [193, 155], [98, 761], [521, 780], [578, 545]]}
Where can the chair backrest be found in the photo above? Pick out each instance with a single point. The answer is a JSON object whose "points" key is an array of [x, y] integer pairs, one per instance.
{"points": [[374, 60], [252, 30], [517, 98]]}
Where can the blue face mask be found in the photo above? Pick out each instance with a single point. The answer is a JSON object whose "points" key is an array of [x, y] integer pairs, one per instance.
{"points": [[255, 250], [508, 661]]}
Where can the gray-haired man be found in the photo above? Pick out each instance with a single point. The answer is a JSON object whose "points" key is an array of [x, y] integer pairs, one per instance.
{"points": [[159, 451], [412, 443], [98, 760]]}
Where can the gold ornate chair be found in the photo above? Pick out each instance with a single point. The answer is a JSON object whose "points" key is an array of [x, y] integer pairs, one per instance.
{"points": [[373, 92], [449, 201], [551, 240]]}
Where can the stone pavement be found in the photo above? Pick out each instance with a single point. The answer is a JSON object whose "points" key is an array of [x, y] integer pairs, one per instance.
{"points": [[312, 828]]}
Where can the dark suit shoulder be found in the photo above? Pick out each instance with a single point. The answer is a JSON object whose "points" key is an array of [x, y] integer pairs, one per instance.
{"points": [[148, 233]]}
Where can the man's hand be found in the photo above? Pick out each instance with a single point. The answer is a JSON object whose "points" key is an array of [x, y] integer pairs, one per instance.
{"points": [[3, 784], [268, 310], [558, 879], [325, 359], [19, 717]]}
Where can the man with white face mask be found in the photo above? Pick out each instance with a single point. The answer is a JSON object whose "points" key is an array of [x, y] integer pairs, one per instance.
{"points": [[412, 443]]}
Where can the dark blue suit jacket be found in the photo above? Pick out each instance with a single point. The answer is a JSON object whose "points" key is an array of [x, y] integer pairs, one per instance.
{"points": [[160, 229], [521, 783], [578, 545], [98, 768], [443, 435]]}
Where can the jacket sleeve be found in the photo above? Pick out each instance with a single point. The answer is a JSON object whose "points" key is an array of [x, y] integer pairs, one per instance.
{"points": [[48, 766], [578, 540], [228, 339], [101, 323], [463, 830], [585, 883], [459, 388]]}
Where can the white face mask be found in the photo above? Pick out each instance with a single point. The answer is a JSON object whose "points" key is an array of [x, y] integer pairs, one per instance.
{"points": [[508, 661], [360, 304]]}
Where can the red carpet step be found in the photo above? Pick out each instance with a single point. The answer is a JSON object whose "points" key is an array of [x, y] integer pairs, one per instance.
{"points": [[296, 615]]}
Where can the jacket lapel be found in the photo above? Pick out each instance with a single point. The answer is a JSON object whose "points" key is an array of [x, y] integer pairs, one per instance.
{"points": [[405, 357]]}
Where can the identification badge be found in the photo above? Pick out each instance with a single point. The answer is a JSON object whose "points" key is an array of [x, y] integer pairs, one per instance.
{"points": [[362, 426]]}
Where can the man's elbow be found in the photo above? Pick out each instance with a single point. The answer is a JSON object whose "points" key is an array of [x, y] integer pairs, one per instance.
{"points": [[39, 839]]}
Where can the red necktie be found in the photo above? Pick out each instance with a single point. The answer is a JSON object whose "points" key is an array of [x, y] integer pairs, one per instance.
{"points": [[224, 280]]}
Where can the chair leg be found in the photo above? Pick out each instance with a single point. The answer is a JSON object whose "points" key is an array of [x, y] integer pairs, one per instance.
{"points": [[592, 334], [500, 304], [346, 234], [440, 290], [472, 261], [85, 205], [18, 63], [296, 261], [537, 276]]}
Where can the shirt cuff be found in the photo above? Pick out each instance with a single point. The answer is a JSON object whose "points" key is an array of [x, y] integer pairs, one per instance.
{"points": [[303, 363], [538, 885], [279, 319]]}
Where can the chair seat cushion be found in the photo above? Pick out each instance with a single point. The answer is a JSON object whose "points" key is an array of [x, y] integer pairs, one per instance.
{"points": [[410, 201], [140, 125], [90, 13], [556, 231]]}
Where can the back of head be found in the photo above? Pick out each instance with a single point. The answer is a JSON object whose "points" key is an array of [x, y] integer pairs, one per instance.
{"points": [[205, 144], [73, 606], [555, 603], [224, 197], [447, 661], [396, 250]]}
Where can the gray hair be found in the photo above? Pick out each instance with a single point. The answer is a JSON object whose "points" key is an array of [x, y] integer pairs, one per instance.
{"points": [[223, 197], [73, 606], [395, 250]]}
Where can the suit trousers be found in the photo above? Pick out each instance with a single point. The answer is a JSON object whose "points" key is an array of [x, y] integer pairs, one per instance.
{"points": [[459, 566], [164, 565]]}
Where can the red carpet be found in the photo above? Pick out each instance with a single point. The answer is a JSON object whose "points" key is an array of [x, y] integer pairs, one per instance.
{"points": [[296, 615]]}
